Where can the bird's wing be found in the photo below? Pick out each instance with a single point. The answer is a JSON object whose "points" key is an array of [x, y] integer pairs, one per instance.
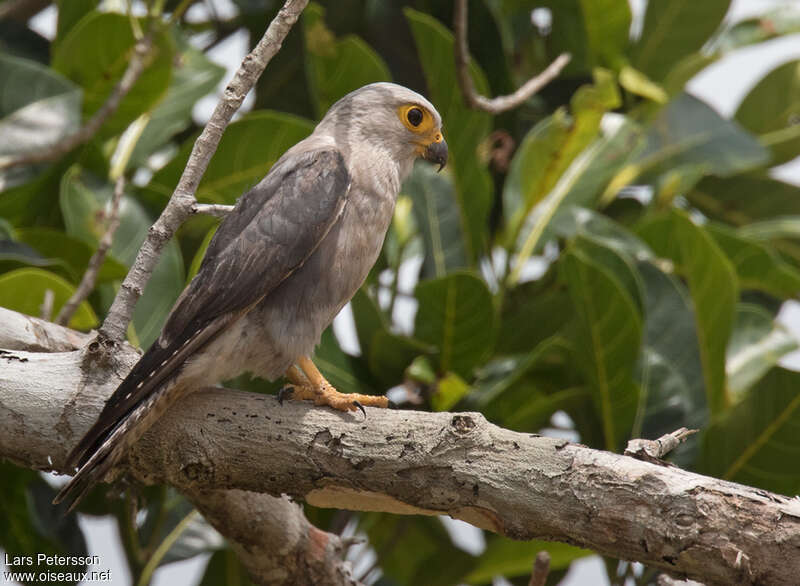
{"points": [[270, 233]]}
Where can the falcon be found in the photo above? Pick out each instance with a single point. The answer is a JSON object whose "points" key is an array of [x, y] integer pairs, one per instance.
{"points": [[292, 252]]}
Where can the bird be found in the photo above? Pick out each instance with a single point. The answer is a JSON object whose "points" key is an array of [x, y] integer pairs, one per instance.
{"points": [[290, 254]]}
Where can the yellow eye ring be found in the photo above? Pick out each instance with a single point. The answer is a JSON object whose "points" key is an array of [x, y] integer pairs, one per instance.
{"points": [[416, 118]]}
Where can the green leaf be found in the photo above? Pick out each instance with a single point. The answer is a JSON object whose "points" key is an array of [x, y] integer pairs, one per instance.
{"points": [[368, 319], [757, 265], [754, 442], [38, 108], [771, 111], [745, 198], [456, 316], [594, 32], [70, 253], [688, 136], [24, 290], [197, 259], [464, 128], [756, 345], [224, 567], [95, 53], [608, 334], [449, 390], [348, 374], [670, 368], [507, 558], [552, 145], [713, 287], [194, 76], [390, 355], [672, 30], [33, 526], [336, 67], [440, 219], [83, 200], [70, 12], [638, 83], [531, 303], [249, 147]]}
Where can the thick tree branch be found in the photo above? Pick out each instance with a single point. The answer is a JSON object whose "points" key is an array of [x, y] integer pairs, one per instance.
{"points": [[136, 66], [501, 103], [180, 205], [406, 462]]}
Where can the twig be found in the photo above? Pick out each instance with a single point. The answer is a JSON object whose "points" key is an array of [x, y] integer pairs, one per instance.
{"points": [[135, 68], [652, 450], [89, 278], [46, 308], [218, 210], [180, 205], [541, 568], [501, 103]]}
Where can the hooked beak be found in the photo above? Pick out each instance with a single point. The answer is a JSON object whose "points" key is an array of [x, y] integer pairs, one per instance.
{"points": [[436, 152]]}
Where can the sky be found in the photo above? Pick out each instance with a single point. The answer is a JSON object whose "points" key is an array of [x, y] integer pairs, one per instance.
{"points": [[722, 85]]}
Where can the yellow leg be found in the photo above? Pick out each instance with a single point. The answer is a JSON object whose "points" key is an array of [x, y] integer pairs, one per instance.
{"points": [[308, 384]]}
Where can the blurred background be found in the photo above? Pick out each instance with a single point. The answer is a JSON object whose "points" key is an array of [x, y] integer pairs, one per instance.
{"points": [[617, 257]]}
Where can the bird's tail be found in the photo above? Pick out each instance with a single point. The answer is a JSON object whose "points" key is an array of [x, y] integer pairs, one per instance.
{"points": [[113, 445]]}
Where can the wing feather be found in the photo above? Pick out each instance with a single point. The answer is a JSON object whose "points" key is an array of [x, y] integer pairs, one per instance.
{"points": [[270, 233]]}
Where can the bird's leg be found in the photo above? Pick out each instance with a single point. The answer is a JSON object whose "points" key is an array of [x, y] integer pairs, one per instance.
{"points": [[307, 383]]}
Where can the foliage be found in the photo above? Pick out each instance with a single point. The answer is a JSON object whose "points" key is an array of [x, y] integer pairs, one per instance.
{"points": [[625, 267]]}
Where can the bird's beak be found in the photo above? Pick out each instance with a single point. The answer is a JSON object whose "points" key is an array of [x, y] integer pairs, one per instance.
{"points": [[436, 152]]}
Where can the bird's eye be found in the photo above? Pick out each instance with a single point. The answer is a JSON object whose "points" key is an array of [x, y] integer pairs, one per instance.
{"points": [[414, 116]]}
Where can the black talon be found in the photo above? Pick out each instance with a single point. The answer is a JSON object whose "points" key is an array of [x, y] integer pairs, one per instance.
{"points": [[360, 406], [285, 393]]}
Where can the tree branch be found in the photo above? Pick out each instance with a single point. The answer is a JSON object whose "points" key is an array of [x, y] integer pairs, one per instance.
{"points": [[89, 278], [501, 103], [218, 210], [180, 205], [406, 462], [136, 65]]}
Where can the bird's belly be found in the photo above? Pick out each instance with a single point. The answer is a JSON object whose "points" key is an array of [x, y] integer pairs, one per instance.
{"points": [[288, 323]]}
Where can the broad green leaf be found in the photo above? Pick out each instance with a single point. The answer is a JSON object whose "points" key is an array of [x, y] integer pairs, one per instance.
{"points": [[348, 374], [368, 319], [507, 558], [24, 290], [771, 111], [194, 76], [38, 108], [756, 345], [552, 145], [224, 567], [608, 334], [713, 287], [756, 440], [638, 83], [390, 354], [688, 136], [464, 129], [72, 253], [33, 526], [577, 221], [457, 317], [745, 198], [670, 368], [757, 265], [449, 390], [439, 218], [70, 12], [784, 19], [249, 147], [674, 29], [95, 53], [336, 67], [83, 201], [594, 32]]}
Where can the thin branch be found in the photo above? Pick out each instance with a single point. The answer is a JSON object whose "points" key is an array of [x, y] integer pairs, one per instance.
{"points": [[217, 210], [180, 205], [89, 278], [136, 66], [654, 450], [501, 103], [541, 568]]}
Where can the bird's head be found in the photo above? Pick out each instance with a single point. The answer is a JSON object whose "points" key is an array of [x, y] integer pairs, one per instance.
{"points": [[389, 118]]}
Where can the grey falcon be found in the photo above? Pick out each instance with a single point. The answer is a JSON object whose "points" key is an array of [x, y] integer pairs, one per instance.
{"points": [[291, 254]]}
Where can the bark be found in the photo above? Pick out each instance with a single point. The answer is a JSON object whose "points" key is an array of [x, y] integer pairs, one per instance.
{"points": [[407, 462]]}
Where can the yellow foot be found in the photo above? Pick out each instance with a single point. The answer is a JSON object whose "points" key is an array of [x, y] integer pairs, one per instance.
{"points": [[308, 384]]}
